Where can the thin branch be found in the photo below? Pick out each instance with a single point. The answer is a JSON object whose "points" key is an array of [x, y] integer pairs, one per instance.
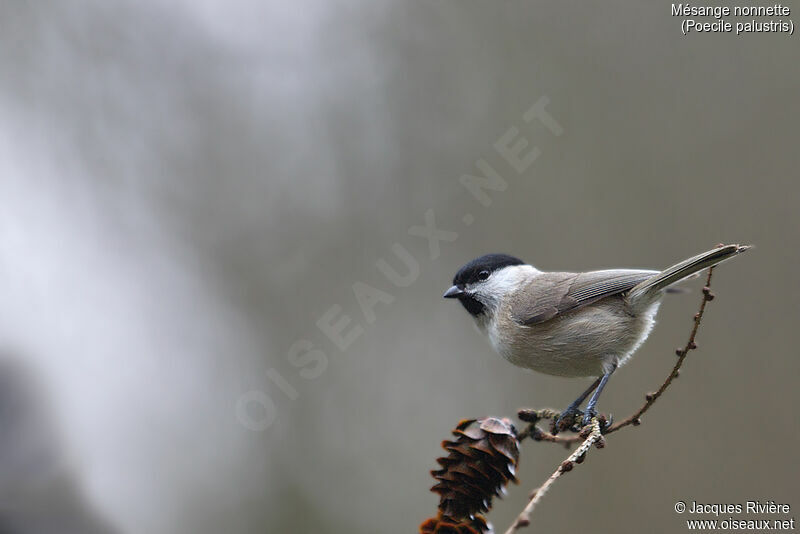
{"points": [[524, 517], [596, 436]]}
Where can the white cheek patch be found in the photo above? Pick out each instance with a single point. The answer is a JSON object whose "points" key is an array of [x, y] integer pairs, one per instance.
{"points": [[492, 291]]}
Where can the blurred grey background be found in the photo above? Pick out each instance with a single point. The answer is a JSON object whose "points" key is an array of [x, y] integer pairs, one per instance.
{"points": [[188, 187]]}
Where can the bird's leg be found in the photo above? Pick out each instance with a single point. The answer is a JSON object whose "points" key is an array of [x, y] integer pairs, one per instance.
{"points": [[590, 411], [566, 418]]}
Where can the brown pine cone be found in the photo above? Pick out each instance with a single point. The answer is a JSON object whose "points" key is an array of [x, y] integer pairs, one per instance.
{"points": [[446, 525], [482, 461]]}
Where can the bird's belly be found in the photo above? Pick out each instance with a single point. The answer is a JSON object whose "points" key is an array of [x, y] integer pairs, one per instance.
{"points": [[587, 342]]}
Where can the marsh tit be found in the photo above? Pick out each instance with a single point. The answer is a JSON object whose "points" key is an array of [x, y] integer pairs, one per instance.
{"points": [[569, 324]]}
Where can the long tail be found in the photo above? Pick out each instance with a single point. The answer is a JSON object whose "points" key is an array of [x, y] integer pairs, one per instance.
{"points": [[678, 272]]}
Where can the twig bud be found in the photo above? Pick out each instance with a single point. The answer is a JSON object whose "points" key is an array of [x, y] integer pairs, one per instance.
{"points": [[528, 415]]}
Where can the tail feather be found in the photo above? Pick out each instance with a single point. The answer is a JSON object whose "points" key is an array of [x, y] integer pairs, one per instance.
{"points": [[684, 269]]}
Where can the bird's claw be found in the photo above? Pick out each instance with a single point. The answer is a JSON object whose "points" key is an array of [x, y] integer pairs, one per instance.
{"points": [[567, 420], [590, 414], [605, 423]]}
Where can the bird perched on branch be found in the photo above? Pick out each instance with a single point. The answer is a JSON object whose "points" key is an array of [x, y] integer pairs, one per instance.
{"points": [[569, 324]]}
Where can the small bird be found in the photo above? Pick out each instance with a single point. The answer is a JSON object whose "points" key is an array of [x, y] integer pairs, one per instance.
{"points": [[569, 324]]}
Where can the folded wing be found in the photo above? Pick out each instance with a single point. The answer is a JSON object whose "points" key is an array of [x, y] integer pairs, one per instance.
{"points": [[552, 294]]}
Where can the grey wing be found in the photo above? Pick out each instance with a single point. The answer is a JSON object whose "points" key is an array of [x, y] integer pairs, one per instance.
{"points": [[552, 294]]}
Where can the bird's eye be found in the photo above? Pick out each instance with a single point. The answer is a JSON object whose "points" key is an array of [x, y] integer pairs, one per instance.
{"points": [[483, 275]]}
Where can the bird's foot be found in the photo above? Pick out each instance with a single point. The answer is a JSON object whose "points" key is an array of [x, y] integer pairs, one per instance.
{"points": [[590, 414], [567, 420], [605, 421]]}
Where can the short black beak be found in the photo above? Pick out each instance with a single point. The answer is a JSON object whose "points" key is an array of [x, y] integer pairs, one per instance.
{"points": [[453, 293]]}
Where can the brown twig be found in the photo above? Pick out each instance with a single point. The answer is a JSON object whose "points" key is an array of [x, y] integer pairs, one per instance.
{"points": [[537, 434], [524, 517]]}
